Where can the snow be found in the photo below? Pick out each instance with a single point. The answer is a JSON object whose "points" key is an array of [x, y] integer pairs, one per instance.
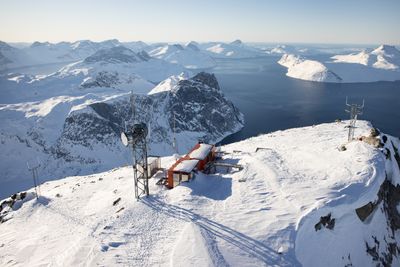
{"points": [[168, 84], [189, 56], [309, 70], [262, 215], [201, 152], [235, 49], [381, 64], [186, 165]]}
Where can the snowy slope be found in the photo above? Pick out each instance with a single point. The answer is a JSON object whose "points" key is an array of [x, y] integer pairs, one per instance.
{"points": [[188, 56], [384, 57], [262, 215], [381, 64], [78, 131], [310, 70]]}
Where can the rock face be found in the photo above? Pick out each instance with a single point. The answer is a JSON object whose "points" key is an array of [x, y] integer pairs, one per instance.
{"points": [[196, 107]]}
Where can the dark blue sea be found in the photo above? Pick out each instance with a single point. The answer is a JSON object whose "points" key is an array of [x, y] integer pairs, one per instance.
{"points": [[272, 101]]}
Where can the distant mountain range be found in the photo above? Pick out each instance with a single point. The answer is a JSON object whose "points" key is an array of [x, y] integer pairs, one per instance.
{"points": [[380, 64]]}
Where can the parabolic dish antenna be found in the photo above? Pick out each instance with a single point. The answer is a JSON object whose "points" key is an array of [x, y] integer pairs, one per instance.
{"points": [[124, 139]]}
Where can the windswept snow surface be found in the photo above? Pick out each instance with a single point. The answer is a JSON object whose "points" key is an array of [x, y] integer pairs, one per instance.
{"points": [[381, 64], [262, 215]]}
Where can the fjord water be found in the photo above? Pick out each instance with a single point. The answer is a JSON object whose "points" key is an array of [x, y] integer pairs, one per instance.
{"points": [[272, 101]]}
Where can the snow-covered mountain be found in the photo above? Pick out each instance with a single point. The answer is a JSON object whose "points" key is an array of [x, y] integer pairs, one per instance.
{"points": [[310, 70], [46, 52], [116, 69], [80, 133], [283, 49], [65, 51], [381, 64], [235, 49], [384, 57], [12, 57], [297, 201], [135, 46], [189, 55]]}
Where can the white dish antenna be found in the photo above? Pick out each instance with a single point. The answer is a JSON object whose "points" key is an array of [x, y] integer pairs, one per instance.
{"points": [[124, 139]]}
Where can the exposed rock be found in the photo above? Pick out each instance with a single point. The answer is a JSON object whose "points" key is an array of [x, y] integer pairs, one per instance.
{"points": [[373, 141], [364, 211], [374, 132], [325, 221], [195, 105], [372, 251], [396, 154], [116, 201]]}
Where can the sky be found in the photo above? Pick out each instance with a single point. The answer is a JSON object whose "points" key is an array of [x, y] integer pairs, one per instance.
{"points": [[288, 21]]}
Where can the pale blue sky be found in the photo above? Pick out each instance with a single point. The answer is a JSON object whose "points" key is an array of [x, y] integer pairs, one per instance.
{"points": [[308, 21]]}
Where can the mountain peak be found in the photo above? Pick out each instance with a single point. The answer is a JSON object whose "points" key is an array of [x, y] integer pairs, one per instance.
{"points": [[388, 50], [39, 44], [207, 79], [117, 54], [5, 46], [193, 45], [237, 42]]}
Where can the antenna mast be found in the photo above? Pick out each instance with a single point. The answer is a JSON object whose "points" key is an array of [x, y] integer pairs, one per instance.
{"points": [[174, 143], [135, 137], [354, 111], [34, 169]]}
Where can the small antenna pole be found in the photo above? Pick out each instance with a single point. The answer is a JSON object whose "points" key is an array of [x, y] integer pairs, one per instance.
{"points": [[133, 107], [354, 110], [174, 143], [35, 176]]}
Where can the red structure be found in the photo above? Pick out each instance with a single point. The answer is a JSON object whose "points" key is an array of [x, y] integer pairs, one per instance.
{"points": [[197, 158]]}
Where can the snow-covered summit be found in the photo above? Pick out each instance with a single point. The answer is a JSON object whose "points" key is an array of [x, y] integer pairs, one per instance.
{"points": [[117, 54], [294, 202], [235, 49], [193, 45], [169, 84], [188, 56], [384, 57], [237, 42], [309, 70]]}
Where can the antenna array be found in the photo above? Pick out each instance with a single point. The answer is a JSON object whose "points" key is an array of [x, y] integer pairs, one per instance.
{"points": [[34, 169], [354, 111], [135, 137]]}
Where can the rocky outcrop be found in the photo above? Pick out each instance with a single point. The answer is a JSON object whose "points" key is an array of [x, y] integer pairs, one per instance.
{"points": [[196, 105]]}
